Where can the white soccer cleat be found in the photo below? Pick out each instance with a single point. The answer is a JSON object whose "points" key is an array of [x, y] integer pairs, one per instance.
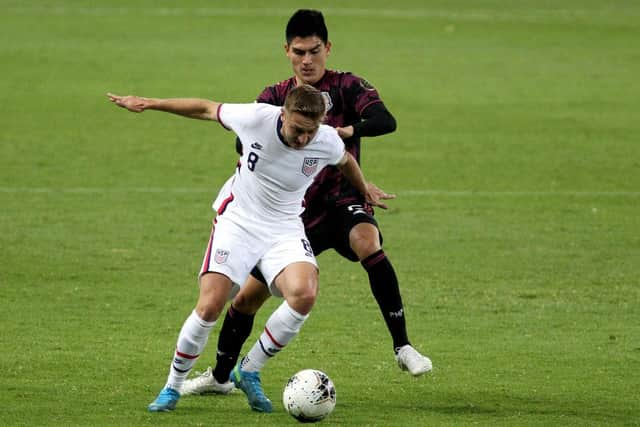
{"points": [[410, 360], [205, 383]]}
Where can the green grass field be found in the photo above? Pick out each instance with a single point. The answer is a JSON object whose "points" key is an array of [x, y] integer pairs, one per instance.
{"points": [[515, 234]]}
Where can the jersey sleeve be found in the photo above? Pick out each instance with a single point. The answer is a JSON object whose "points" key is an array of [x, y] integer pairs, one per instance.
{"points": [[360, 93], [337, 148], [276, 93], [267, 96], [237, 116]]}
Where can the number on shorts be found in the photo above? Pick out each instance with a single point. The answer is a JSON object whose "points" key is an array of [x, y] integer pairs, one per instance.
{"points": [[356, 209], [307, 246]]}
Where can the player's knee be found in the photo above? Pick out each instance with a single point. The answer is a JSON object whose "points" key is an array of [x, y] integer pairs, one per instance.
{"points": [[364, 240], [247, 304], [302, 303], [209, 312], [303, 297], [214, 291], [251, 297]]}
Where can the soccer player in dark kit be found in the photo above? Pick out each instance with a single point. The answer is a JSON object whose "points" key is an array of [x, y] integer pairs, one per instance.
{"points": [[336, 216]]}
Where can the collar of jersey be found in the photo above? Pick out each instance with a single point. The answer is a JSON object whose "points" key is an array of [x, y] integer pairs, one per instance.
{"points": [[278, 128]]}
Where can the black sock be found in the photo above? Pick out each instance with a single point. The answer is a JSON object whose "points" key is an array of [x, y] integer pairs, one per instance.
{"points": [[384, 286], [236, 328]]}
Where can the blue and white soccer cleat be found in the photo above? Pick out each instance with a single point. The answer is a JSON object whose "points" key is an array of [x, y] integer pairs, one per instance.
{"points": [[165, 402], [249, 383]]}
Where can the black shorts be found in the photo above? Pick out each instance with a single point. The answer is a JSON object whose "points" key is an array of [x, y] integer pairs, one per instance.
{"points": [[333, 231]]}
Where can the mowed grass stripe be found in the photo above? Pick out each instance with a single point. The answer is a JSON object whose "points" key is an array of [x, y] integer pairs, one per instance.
{"points": [[403, 193], [540, 15]]}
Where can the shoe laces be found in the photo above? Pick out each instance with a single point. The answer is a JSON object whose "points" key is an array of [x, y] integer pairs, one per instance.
{"points": [[203, 377], [253, 379], [168, 394]]}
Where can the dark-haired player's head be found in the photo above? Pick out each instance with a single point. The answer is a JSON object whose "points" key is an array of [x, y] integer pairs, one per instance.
{"points": [[307, 45], [303, 111], [306, 23]]}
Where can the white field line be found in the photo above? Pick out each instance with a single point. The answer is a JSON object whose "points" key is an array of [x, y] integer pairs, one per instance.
{"points": [[103, 190], [480, 193], [399, 193], [531, 15]]}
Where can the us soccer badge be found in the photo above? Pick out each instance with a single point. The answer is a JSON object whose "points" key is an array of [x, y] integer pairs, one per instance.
{"points": [[309, 166]]}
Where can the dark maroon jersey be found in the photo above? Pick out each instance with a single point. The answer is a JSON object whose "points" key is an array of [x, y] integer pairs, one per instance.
{"points": [[346, 96]]}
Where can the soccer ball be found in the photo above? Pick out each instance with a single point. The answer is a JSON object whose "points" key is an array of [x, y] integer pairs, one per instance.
{"points": [[309, 396]]}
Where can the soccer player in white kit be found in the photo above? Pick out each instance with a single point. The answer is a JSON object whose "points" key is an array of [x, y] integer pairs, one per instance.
{"points": [[258, 220]]}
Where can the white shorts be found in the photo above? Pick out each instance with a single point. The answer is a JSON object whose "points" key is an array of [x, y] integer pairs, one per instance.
{"points": [[223, 194], [236, 246]]}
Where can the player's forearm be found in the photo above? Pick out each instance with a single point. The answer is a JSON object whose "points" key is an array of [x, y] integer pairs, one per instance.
{"points": [[351, 170], [376, 121], [194, 108]]}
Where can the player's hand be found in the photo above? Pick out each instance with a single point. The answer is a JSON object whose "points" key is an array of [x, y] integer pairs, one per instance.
{"points": [[375, 195], [346, 132], [135, 104]]}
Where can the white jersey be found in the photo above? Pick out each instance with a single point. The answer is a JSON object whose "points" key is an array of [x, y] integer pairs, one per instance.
{"points": [[272, 177], [258, 222]]}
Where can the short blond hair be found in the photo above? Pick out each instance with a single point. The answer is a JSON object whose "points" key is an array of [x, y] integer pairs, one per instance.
{"points": [[306, 100]]}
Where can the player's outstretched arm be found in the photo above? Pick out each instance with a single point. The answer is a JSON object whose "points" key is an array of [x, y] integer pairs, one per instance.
{"points": [[350, 169], [194, 108]]}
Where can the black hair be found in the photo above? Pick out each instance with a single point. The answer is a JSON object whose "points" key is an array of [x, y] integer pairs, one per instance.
{"points": [[307, 23]]}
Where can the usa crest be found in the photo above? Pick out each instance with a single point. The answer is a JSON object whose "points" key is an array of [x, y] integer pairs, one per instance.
{"points": [[221, 256], [309, 165]]}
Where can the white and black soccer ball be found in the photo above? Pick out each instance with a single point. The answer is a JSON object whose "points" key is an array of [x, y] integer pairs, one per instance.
{"points": [[309, 396]]}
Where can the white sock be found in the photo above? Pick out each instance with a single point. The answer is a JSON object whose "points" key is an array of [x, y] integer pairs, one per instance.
{"points": [[191, 341], [283, 325]]}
